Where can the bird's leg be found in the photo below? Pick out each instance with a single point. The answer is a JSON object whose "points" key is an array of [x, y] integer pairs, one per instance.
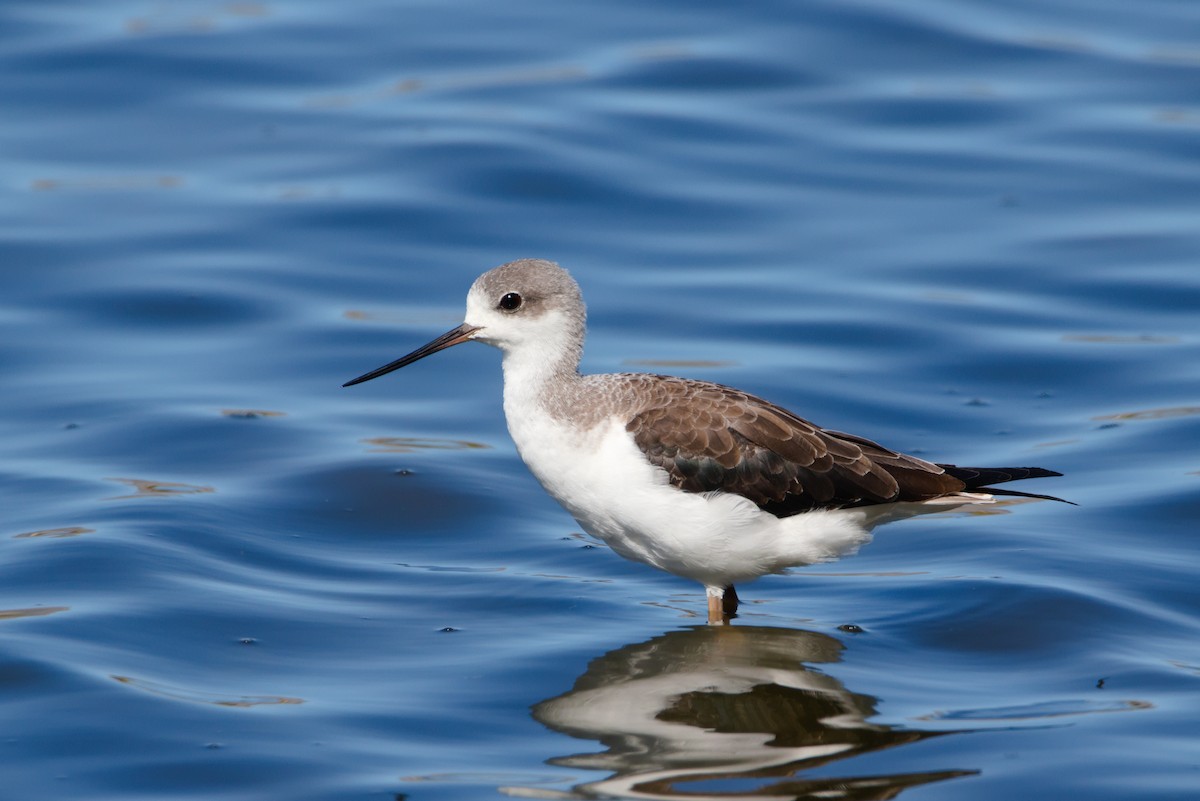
{"points": [[729, 602], [722, 604], [716, 613]]}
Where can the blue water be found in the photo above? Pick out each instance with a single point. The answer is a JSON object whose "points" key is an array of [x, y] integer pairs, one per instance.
{"points": [[968, 230]]}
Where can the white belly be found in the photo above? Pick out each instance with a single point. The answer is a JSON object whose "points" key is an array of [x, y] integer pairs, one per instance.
{"points": [[718, 539]]}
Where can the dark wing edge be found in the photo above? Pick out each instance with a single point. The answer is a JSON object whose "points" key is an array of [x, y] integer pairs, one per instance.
{"points": [[980, 479]]}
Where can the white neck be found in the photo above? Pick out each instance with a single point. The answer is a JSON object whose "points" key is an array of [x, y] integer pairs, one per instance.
{"points": [[535, 378]]}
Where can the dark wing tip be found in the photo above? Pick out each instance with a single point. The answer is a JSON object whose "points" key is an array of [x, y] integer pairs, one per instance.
{"points": [[980, 479]]}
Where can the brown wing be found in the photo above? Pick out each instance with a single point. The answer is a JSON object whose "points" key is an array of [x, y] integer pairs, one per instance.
{"points": [[710, 437]]}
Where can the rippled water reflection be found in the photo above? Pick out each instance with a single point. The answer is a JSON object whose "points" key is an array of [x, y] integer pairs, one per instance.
{"points": [[715, 712]]}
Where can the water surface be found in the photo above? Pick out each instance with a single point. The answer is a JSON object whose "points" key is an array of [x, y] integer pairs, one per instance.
{"points": [[965, 230]]}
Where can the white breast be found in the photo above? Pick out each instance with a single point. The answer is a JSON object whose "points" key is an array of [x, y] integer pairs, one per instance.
{"points": [[601, 477]]}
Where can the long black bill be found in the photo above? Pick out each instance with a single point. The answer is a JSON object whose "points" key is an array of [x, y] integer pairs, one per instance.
{"points": [[449, 339]]}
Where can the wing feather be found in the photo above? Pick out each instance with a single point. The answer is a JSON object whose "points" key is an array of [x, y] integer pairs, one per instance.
{"points": [[708, 438]]}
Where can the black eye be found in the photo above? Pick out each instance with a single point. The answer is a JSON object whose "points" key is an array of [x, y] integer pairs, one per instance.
{"points": [[511, 302]]}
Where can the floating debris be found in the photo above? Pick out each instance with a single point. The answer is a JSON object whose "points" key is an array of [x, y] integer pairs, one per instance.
{"points": [[112, 183], [201, 697], [1152, 414], [55, 533], [35, 611], [1121, 339], [251, 414], [167, 21], [410, 444], [146, 488]]}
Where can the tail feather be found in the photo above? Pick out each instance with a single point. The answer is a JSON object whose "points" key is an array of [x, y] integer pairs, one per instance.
{"points": [[980, 479]]}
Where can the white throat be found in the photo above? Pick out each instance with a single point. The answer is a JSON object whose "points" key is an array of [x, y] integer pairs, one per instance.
{"points": [[537, 376]]}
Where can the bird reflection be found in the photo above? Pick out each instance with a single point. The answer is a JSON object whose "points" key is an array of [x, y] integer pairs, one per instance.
{"points": [[725, 713]]}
